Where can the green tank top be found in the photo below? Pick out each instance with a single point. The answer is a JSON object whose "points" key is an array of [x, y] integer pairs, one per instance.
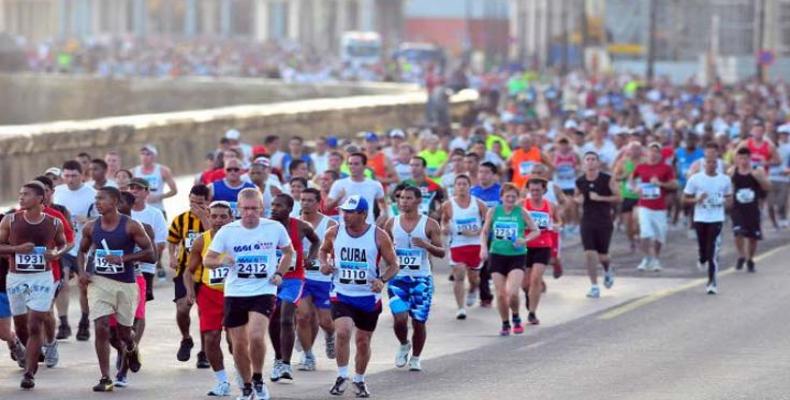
{"points": [[505, 229], [625, 189]]}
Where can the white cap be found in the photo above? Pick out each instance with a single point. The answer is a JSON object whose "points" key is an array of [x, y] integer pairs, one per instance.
{"points": [[54, 171], [784, 128], [571, 124], [590, 114], [397, 133], [232, 134], [150, 148]]}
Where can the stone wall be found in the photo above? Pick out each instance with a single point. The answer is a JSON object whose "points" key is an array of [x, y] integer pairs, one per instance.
{"points": [[183, 138], [32, 98]]}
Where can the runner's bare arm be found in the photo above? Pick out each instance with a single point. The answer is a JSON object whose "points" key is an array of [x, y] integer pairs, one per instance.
{"points": [[437, 248], [325, 253], [171, 183], [315, 241], [484, 233], [387, 252], [85, 246]]}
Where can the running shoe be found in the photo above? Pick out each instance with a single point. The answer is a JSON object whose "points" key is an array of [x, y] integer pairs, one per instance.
{"points": [[557, 269], [711, 289], [533, 319], [340, 386], [594, 292], [246, 394], [485, 303], [261, 391], [221, 389], [121, 381], [308, 364], [64, 332], [105, 385], [654, 265], [361, 390], [28, 382], [286, 372], [505, 331], [740, 263], [51, 355], [471, 297], [277, 369], [460, 314], [608, 278], [18, 354], [414, 364], [402, 356], [329, 342], [83, 331], [643, 265], [700, 266], [518, 328], [133, 359], [202, 361], [185, 349], [750, 266]]}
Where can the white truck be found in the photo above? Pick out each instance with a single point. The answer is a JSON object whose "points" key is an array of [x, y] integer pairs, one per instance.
{"points": [[360, 51]]}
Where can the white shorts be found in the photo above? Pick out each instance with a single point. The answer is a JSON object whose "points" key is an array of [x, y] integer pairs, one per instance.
{"points": [[34, 291], [653, 224]]}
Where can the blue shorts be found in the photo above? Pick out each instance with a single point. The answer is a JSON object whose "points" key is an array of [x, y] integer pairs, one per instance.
{"points": [[412, 294], [290, 290], [319, 291], [5, 306]]}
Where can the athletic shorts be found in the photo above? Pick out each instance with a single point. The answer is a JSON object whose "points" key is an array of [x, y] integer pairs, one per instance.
{"points": [[237, 309], [364, 320], [139, 312], [32, 290], [411, 294], [211, 308], [569, 192], [319, 291], [290, 290], [746, 227], [596, 237], [628, 205], [108, 296], [538, 255], [5, 306], [468, 255], [180, 291], [67, 263], [653, 224], [504, 264]]}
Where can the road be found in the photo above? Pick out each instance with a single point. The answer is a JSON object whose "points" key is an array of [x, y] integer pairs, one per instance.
{"points": [[650, 337]]}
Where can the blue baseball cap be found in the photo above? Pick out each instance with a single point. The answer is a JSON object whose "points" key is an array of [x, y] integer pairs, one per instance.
{"points": [[331, 141], [355, 203], [371, 137]]}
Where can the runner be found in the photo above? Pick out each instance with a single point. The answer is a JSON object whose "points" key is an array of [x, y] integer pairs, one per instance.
{"points": [[111, 284], [357, 183], [145, 213], [113, 160], [462, 219], [98, 171], [749, 186], [710, 191], [314, 309], [596, 191], [410, 292], [297, 184], [15, 347], [523, 158], [488, 190], [456, 166], [228, 188], [507, 223], [184, 230], [260, 174], [623, 170], [382, 166], [157, 175], [401, 163], [31, 239], [210, 298], [432, 194], [77, 198], [685, 157], [282, 329], [567, 163], [434, 157], [249, 246], [539, 250], [350, 253], [651, 180]]}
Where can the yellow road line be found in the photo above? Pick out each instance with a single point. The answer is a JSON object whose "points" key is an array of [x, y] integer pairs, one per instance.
{"points": [[652, 298]]}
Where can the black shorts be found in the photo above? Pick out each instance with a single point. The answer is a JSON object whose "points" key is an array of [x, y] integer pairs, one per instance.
{"points": [[746, 227], [68, 265], [237, 309], [596, 237], [628, 205], [179, 288], [504, 264], [364, 320], [538, 255], [569, 192], [149, 286]]}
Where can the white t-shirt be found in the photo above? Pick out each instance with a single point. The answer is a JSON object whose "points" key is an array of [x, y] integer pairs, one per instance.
{"points": [[606, 153], [321, 162], [78, 202], [255, 252], [152, 216], [459, 142], [717, 188], [369, 189]]}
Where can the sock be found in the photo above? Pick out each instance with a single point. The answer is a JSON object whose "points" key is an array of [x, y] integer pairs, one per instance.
{"points": [[359, 378], [64, 320], [505, 324], [342, 371], [84, 319], [415, 358], [286, 362], [257, 376], [221, 376], [605, 265], [516, 317], [247, 385]]}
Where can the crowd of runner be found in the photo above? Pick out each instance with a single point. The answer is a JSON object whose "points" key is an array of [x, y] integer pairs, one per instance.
{"points": [[287, 239]]}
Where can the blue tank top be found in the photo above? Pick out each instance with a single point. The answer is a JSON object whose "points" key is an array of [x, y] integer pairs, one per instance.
{"points": [[226, 193], [119, 243]]}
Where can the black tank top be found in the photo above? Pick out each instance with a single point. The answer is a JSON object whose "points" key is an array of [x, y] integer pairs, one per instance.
{"points": [[595, 212], [119, 242], [747, 193]]}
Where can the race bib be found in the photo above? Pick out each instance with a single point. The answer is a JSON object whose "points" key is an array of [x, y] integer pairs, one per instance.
{"points": [[104, 267], [353, 273], [650, 191], [190, 239], [292, 266], [217, 275], [542, 219], [525, 168], [714, 200], [566, 173], [409, 258], [467, 225], [745, 196], [505, 231], [252, 267], [153, 183], [33, 261]]}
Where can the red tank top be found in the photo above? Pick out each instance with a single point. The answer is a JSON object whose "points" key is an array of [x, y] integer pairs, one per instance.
{"points": [[293, 233], [760, 154], [542, 218]]}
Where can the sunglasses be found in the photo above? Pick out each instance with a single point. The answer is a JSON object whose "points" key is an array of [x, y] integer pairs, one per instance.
{"points": [[232, 169]]}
